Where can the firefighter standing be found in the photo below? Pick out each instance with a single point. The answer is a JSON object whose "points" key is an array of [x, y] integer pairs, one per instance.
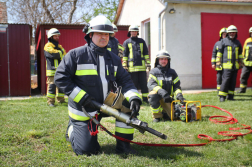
{"points": [[247, 68], [136, 59], [163, 84], [54, 53], [88, 73], [229, 57], [223, 33], [114, 45]]}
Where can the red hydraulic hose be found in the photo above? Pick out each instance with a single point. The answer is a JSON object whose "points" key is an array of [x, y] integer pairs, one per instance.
{"points": [[215, 119]]}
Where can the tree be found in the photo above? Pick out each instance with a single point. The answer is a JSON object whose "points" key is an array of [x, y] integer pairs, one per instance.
{"points": [[34, 12], [105, 7]]}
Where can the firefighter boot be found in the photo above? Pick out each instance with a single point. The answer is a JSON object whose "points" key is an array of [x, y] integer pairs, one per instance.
{"points": [[66, 135], [166, 117], [123, 147], [222, 98], [156, 120], [230, 97], [242, 90]]}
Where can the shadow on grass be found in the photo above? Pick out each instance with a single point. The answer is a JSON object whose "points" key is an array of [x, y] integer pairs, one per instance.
{"points": [[243, 99], [172, 153]]}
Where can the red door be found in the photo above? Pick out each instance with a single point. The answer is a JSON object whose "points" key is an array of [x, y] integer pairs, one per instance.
{"points": [[211, 23]]}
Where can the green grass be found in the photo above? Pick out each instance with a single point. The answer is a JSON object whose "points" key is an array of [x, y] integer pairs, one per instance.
{"points": [[32, 134]]}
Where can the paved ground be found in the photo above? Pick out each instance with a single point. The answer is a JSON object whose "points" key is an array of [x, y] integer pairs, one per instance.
{"points": [[27, 97]]}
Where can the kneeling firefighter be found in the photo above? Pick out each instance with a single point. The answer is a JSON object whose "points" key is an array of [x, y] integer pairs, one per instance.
{"points": [[163, 84], [87, 74]]}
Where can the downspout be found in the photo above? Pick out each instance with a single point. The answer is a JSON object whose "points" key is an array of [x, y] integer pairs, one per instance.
{"points": [[159, 25]]}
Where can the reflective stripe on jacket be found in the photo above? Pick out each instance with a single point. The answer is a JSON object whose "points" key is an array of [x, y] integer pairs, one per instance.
{"points": [[54, 54], [135, 54], [214, 53], [229, 53], [164, 82], [88, 70], [247, 52]]}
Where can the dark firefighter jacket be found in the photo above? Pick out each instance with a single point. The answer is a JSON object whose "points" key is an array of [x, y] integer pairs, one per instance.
{"points": [[229, 54], [113, 45], [87, 71], [214, 53], [54, 53], [247, 52], [164, 80], [135, 54]]}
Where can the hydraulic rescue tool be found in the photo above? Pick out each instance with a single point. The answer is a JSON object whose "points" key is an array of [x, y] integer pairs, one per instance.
{"points": [[134, 122], [187, 111]]}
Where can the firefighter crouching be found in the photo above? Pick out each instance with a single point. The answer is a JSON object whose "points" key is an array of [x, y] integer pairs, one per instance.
{"points": [[163, 84], [136, 59], [222, 34], [54, 53], [88, 73], [114, 45], [247, 68], [229, 57]]}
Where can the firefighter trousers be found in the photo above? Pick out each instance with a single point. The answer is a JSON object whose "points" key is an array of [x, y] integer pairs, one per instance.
{"points": [[246, 70], [228, 82], [219, 79], [84, 143], [140, 81], [158, 106], [52, 90]]}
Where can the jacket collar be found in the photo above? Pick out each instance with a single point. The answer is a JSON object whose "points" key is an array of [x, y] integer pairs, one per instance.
{"points": [[98, 50]]}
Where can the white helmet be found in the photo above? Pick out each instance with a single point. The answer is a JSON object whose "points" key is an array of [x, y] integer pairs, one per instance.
{"points": [[250, 30], [115, 28], [232, 28], [52, 32], [162, 54], [133, 28], [99, 24]]}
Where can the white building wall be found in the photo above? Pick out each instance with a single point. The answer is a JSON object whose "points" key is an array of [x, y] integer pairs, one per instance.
{"points": [[182, 38], [136, 11]]}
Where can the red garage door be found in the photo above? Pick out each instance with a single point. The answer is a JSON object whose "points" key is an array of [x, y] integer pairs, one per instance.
{"points": [[211, 23]]}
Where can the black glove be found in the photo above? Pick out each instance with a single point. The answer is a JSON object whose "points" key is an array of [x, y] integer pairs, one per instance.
{"points": [[168, 98], [181, 98], [134, 107], [88, 103]]}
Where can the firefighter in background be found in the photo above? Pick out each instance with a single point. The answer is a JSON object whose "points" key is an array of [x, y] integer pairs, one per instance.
{"points": [[54, 53], [222, 33], [136, 60], [88, 73], [229, 57], [114, 45], [163, 84], [247, 68]]}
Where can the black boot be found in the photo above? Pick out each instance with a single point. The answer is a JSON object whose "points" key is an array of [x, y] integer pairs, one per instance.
{"points": [[242, 90], [66, 135], [230, 97], [124, 147], [145, 100], [222, 98], [156, 120], [166, 117]]}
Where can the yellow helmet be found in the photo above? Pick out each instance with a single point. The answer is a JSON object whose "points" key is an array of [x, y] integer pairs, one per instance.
{"points": [[224, 29], [52, 32], [232, 28]]}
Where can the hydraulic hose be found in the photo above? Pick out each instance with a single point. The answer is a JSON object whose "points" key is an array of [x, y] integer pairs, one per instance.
{"points": [[215, 119]]}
